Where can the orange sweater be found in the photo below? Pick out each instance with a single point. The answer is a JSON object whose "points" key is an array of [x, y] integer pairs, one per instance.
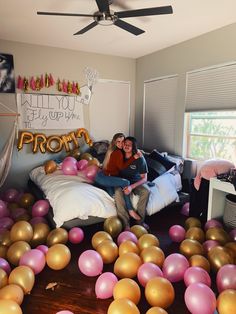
{"points": [[117, 163]]}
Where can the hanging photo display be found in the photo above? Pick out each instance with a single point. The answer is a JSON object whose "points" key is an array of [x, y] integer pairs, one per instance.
{"points": [[7, 79]]}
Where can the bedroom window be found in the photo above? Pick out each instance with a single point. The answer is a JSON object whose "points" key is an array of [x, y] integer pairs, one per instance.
{"points": [[211, 134]]}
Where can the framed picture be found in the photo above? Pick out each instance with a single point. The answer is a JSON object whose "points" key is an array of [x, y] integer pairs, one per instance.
{"points": [[7, 79]]}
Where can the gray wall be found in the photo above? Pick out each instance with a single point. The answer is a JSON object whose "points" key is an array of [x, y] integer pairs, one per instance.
{"points": [[213, 48], [34, 60]]}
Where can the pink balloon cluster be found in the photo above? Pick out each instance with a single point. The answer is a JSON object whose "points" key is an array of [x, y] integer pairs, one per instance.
{"points": [[70, 166]]}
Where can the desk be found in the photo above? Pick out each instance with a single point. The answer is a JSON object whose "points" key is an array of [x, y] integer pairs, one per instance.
{"points": [[217, 191]]}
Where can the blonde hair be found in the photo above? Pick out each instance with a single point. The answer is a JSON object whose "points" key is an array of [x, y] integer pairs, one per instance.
{"points": [[111, 149]]}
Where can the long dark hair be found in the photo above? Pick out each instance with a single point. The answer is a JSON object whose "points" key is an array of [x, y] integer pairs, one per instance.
{"points": [[134, 144]]}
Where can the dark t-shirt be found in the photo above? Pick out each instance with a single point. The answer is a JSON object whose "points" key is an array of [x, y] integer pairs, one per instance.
{"points": [[134, 170]]}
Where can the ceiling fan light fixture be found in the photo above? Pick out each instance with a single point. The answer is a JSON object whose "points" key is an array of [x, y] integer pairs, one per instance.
{"points": [[105, 19]]}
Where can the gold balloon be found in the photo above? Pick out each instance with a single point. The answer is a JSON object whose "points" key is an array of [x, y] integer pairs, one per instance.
{"points": [[191, 247], [94, 161], [21, 231], [156, 310], [219, 256], [200, 261], [100, 236], [195, 233], [3, 278], [9, 307], [147, 240], [192, 222], [217, 234], [12, 292], [128, 246], [122, 306], [231, 246], [5, 238], [127, 265], [153, 254], [3, 251], [113, 226], [16, 250], [86, 156], [26, 200], [22, 276], [58, 256], [40, 233], [127, 288], [50, 166], [138, 230], [58, 235], [75, 153], [226, 302], [159, 292], [108, 251]]}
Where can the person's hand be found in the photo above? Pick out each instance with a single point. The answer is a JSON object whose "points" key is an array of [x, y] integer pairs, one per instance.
{"points": [[138, 154], [127, 190]]}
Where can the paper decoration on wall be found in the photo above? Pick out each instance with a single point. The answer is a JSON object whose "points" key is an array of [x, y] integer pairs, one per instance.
{"points": [[92, 76], [7, 79], [53, 143], [35, 83]]}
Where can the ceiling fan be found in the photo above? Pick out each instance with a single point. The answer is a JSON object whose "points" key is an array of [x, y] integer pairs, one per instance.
{"points": [[105, 16]]}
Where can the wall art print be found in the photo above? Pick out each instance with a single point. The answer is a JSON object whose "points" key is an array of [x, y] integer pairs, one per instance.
{"points": [[7, 79]]}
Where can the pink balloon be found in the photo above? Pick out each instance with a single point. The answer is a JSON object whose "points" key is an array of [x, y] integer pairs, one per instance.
{"points": [[17, 212], [5, 265], [76, 235], [185, 209], [147, 271], [6, 223], [90, 263], [11, 195], [233, 234], [125, 236], [91, 171], [226, 277], [104, 285], [177, 233], [71, 159], [37, 220], [40, 208], [82, 164], [35, 259], [64, 312], [209, 244], [199, 298], [174, 267], [4, 211], [43, 248], [196, 274], [212, 224], [69, 168]]}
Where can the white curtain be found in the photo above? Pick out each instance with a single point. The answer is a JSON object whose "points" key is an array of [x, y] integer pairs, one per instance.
{"points": [[6, 156]]}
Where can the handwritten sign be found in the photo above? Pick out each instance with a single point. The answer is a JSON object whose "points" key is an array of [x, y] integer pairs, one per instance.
{"points": [[50, 111]]}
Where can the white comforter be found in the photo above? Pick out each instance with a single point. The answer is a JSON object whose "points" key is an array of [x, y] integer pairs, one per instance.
{"points": [[73, 197]]}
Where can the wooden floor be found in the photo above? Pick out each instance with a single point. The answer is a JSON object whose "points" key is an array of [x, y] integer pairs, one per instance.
{"points": [[75, 292]]}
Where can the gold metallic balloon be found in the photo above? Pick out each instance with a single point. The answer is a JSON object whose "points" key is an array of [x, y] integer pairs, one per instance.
{"points": [[5, 238], [3, 251], [108, 251], [3, 278], [16, 250], [192, 222], [153, 254], [86, 156], [128, 246], [195, 233], [9, 307], [122, 306], [75, 153], [100, 236], [226, 302], [50, 166], [191, 247], [113, 226], [127, 265], [217, 234], [219, 256], [232, 247], [159, 292], [58, 256], [147, 240], [156, 310], [199, 261], [12, 292], [22, 276], [58, 235], [94, 161], [40, 234], [127, 288], [21, 231], [138, 230], [26, 200]]}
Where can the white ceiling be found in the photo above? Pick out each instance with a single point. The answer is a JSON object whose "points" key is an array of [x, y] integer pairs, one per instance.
{"points": [[191, 18]]}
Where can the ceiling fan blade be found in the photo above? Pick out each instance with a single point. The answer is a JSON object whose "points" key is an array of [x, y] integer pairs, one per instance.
{"points": [[145, 12], [63, 14], [103, 6], [87, 28], [128, 27]]}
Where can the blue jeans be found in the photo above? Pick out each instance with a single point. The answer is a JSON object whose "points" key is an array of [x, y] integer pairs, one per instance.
{"points": [[110, 182]]}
